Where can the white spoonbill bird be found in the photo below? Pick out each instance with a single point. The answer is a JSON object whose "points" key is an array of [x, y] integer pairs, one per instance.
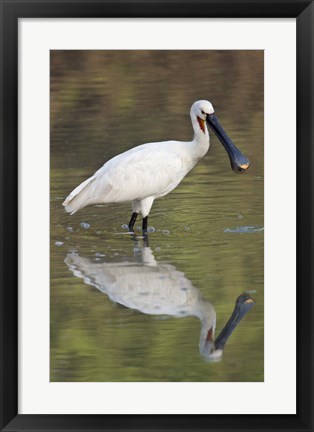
{"points": [[158, 288], [152, 170]]}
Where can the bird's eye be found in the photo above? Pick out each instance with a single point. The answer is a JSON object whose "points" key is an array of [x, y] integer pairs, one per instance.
{"points": [[203, 112]]}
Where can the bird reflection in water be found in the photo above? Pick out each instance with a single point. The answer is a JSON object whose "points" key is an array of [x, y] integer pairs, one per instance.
{"points": [[158, 288]]}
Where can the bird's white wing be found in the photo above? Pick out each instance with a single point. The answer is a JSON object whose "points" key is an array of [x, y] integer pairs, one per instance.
{"points": [[152, 169], [144, 171]]}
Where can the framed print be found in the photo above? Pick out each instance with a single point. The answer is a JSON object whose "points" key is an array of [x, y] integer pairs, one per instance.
{"points": [[156, 215]]}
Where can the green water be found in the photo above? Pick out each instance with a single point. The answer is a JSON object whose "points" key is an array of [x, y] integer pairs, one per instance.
{"points": [[208, 233]]}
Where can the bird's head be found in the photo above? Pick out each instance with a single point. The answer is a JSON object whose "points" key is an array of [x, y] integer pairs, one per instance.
{"points": [[202, 114], [199, 110]]}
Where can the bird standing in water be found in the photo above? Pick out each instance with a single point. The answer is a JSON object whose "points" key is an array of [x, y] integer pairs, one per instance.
{"points": [[150, 171]]}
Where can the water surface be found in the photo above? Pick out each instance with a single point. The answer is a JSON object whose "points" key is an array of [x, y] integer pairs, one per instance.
{"points": [[208, 233]]}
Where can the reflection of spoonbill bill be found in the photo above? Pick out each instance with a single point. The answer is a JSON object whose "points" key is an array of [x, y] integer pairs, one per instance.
{"points": [[152, 170], [159, 289]]}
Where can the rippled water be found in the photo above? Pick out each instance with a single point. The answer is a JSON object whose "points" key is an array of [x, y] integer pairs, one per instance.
{"points": [[125, 311]]}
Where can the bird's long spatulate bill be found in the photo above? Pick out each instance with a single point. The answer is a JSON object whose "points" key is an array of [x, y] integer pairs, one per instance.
{"points": [[244, 304], [239, 162]]}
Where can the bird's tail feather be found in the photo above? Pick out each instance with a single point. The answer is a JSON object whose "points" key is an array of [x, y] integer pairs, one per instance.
{"points": [[79, 198]]}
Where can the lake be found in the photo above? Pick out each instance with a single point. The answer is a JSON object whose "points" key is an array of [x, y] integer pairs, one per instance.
{"points": [[112, 297]]}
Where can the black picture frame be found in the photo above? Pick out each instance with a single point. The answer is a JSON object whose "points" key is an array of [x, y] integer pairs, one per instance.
{"points": [[11, 11]]}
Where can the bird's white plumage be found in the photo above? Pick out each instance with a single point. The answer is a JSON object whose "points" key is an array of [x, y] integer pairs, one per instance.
{"points": [[145, 172]]}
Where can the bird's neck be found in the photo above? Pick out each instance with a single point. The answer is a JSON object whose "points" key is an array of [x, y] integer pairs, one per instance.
{"points": [[200, 129], [200, 144]]}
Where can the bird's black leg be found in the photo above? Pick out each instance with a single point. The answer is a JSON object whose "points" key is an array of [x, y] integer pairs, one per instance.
{"points": [[132, 221], [144, 225]]}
